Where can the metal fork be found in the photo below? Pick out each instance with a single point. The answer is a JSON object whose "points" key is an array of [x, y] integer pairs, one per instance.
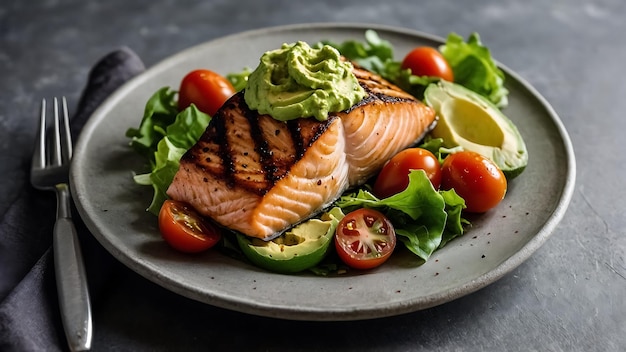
{"points": [[50, 171]]}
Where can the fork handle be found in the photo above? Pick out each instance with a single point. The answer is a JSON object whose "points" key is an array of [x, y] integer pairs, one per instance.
{"points": [[71, 277]]}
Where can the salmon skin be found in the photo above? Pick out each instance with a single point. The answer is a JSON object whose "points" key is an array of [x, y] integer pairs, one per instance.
{"points": [[259, 176]]}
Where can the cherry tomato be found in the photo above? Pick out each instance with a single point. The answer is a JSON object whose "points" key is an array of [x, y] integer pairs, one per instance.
{"points": [[475, 178], [427, 61], [206, 89], [365, 239], [186, 230], [394, 177]]}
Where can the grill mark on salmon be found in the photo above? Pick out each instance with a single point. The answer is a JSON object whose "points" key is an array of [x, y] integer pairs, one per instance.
{"points": [[262, 147], [294, 130], [260, 176]]}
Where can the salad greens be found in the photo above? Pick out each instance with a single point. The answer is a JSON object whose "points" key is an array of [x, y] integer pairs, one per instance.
{"points": [[474, 68], [160, 112], [163, 136], [421, 216], [239, 80], [424, 219]]}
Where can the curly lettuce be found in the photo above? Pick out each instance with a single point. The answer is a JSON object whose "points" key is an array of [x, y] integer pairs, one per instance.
{"points": [[474, 68], [163, 136], [424, 219]]}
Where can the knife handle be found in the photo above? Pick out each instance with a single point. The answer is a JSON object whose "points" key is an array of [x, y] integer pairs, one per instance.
{"points": [[71, 278]]}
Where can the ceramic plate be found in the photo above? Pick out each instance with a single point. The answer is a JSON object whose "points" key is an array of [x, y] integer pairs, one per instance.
{"points": [[113, 206]]}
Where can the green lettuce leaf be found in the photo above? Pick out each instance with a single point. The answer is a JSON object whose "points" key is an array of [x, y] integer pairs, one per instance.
{"points": [[422, 217], [160, 112], [167, 161], [435, 146], [187, 127], [455, 223], [163, 136], [239, 80], [474, 68], [374, 54]]}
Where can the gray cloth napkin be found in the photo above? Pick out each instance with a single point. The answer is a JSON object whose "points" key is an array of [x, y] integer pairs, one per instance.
{"points": [[29, 317]]}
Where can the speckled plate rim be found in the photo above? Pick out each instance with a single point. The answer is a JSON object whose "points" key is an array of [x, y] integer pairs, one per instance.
{"points": [[90, 209]]}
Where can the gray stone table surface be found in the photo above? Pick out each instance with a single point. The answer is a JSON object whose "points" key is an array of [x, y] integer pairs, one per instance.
{"points": [[569, 296]]}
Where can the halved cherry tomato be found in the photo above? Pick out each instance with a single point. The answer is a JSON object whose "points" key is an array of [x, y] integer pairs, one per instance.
{"points": [[186, 230], [394, 177], [206, 89], [365, 239], [475, 178], [427, 61]]}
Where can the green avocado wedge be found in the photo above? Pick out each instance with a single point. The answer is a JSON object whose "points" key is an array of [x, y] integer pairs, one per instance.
{"points": [[469, 120], [298, 249]]}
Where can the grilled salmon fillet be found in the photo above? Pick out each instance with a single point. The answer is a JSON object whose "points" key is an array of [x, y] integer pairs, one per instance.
{"points": [[260, 176]]}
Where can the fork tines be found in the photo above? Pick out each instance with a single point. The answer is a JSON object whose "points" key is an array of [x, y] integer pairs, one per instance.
{"points": [[61, 141]]}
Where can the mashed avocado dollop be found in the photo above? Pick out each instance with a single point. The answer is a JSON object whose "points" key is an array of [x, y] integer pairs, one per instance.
{"points": [[300, 81]]}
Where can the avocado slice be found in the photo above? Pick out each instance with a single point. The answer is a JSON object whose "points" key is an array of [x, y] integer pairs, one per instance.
{"points": [[469, 120], [298, 249]]}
